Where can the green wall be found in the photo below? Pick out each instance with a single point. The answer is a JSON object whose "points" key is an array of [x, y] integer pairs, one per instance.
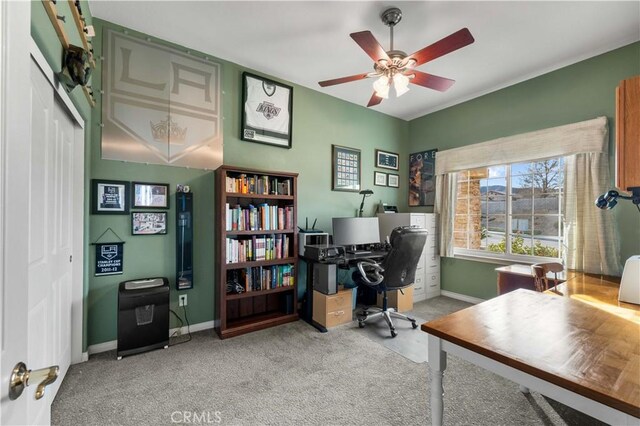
{"points": [[578, 92], [318, 121]]}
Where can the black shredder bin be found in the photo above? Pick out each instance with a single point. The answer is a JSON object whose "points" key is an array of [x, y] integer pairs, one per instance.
{"points": [[143, 315]]}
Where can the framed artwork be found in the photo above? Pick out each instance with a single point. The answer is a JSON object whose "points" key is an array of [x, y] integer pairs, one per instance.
{"points": [[149, 223], [267, 108], [393, 180], [345, 165], [422, 179], [109, 196], [150, 195], [386, 160], [379, 179]]}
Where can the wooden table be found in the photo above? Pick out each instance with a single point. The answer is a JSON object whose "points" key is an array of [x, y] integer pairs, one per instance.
{"points": [[581, 355]]}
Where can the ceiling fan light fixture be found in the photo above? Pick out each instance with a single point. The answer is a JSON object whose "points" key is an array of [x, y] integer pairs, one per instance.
{"points": [[381, 87], [400, 84]]}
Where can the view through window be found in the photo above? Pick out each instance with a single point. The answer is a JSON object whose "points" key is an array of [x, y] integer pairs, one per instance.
{"points": [[511, 210]]}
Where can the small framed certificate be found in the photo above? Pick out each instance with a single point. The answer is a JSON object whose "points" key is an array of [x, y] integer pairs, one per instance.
{"points": [[386, 160], [109, 196], [150, 195]]}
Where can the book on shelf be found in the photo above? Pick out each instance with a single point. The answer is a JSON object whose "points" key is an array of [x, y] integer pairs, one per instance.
{"points": [[261, 218], [257, 248], [262, 277], [257, 184]]}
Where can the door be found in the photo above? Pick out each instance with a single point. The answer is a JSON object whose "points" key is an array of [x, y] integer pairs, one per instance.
{"points": [[42, 173]]}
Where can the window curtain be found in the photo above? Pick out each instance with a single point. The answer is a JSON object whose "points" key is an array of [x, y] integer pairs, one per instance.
{"points": [[591, 238], [593, 243], [445, 207]]}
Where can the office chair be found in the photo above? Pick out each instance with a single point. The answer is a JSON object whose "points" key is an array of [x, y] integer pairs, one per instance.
{"points": [[540, 271], [396, 271]]}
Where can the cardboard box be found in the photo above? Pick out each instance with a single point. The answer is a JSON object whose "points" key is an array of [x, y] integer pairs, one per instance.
{"points": [[330, 310], [400, 302]]}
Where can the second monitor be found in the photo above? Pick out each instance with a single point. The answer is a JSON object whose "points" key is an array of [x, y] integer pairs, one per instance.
{"points": [[355, 233]]}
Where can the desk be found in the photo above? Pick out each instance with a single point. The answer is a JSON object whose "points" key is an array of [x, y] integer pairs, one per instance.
{"points": [[580, 355], [345, 261], [512, 277]]}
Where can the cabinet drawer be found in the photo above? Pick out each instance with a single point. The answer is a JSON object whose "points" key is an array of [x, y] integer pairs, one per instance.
{"points": [[418, 284], [417, 220], [432, 281]]}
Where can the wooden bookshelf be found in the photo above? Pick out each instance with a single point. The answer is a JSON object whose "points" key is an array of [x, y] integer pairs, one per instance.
{"points": [[256, 247]]}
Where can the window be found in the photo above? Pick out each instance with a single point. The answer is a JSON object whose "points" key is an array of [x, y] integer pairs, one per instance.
{"points": [[510, 211]]}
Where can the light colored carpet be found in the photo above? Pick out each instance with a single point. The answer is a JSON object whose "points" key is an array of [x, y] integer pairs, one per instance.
{"points": [[292, 375]]}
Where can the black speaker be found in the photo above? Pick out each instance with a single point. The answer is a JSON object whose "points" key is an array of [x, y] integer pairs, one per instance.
{"points": [[143, 315]]}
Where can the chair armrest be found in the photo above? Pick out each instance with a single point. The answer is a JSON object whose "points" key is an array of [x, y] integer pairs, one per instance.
{"points": [[373, 270]]}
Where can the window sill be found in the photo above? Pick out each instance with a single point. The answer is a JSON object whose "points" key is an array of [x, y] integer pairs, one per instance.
{"points": [[502, 260]]}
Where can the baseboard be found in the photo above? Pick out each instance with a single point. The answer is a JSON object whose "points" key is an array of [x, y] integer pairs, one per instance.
{"points": [[113, 344], [463, 297]]}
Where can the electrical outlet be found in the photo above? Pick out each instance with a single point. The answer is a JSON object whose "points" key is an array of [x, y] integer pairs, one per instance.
{"points": [[182, 300]]}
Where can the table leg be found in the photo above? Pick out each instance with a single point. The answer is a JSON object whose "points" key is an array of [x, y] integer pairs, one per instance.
{"points": [[437, 359]]}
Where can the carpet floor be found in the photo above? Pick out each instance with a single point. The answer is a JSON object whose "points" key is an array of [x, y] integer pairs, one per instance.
{"points": [[294, 375]]}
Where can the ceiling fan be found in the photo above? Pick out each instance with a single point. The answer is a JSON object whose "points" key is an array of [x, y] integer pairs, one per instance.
{"points": [[395, 66]]}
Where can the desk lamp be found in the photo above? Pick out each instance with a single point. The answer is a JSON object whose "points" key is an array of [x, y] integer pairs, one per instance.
{"points": [[365, 193], [610, 199], [630, 283]]}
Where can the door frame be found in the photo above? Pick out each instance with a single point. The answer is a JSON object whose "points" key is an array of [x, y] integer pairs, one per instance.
{"points": [[77, 286], [15, 83]]}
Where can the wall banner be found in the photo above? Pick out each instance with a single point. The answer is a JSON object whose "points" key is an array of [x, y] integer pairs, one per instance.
{"points": [[160, 105], [109, 259]]}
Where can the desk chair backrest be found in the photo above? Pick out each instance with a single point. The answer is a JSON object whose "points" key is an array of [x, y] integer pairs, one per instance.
{"points": [[402, 260]]}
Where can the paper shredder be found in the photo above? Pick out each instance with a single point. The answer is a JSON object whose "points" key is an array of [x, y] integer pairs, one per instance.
{"points": [[143, 315]]}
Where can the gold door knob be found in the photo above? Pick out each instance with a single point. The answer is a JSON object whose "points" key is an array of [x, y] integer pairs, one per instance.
{"points": [[21, 378]]}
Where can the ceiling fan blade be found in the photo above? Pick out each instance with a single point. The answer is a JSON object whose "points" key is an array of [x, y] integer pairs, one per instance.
{"points": [[430, 81], [370, 45], [342, 80], [375, 100], [448, 44]]}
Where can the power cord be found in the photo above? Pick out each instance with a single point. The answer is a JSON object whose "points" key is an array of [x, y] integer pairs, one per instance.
{"points": [[175, 333]]}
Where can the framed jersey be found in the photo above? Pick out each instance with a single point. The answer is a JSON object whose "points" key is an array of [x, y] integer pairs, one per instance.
{"points": [[267, 109]]}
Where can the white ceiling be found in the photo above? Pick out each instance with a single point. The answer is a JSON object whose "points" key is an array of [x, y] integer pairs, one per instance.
{"points": [[305, 42]]}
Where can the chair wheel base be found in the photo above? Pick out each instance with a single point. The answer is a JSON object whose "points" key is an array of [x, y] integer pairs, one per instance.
{"points": [[393, 333], [414, 325], [360, 324]]}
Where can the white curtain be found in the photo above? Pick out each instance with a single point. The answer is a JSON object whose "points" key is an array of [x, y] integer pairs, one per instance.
{"points": [[445, 207], [591, 238]]}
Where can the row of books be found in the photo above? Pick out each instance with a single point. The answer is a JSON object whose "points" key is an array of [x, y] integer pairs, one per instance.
{"points": [[261, 278], [258, 248], [266, 185], [261, 218]]}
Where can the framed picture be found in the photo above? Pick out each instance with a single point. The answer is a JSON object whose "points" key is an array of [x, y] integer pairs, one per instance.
{"points": [[267, 108], [393, 180], [150, 195], [422, 179], [345, 166], [386, 160], [149, 223], [379, 179], [109, 196]]}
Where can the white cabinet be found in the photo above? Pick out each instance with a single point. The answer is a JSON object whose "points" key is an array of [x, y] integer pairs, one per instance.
{"points": [[427, 281]]}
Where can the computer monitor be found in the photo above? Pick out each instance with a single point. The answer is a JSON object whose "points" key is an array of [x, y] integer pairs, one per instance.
{"points": [[351, 232]]}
